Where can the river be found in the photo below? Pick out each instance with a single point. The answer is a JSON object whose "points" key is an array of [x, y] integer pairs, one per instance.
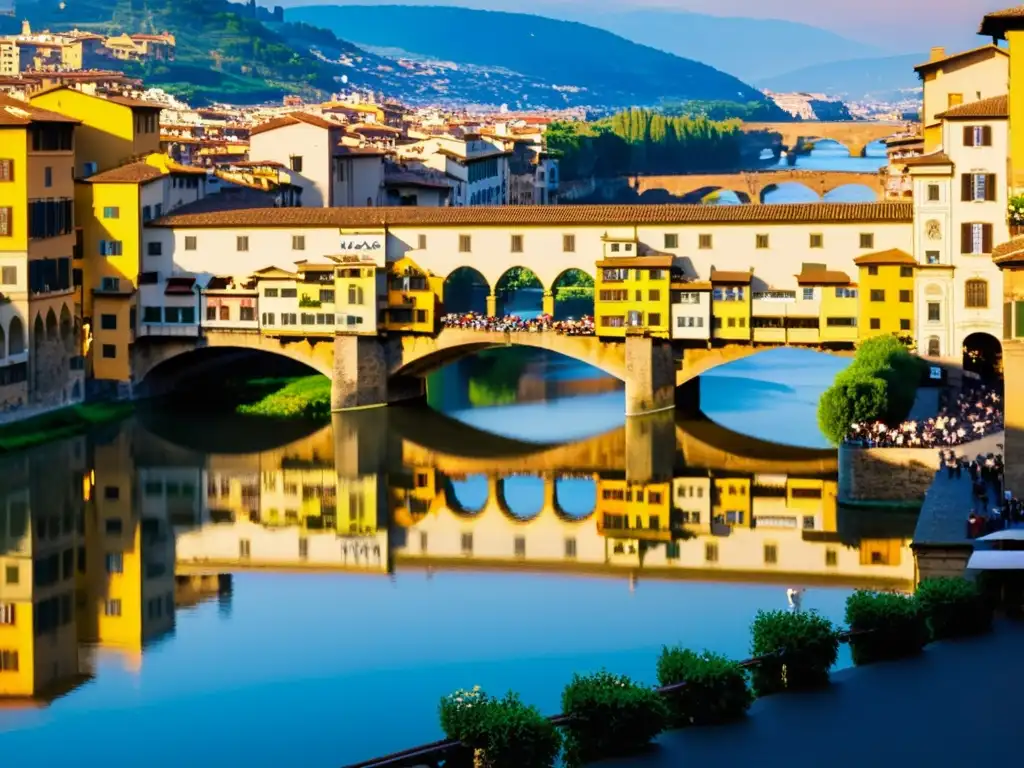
{"points": [[373, 564]]}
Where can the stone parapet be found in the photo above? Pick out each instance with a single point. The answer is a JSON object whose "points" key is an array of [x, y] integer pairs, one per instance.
{"points": [[880, 475]]}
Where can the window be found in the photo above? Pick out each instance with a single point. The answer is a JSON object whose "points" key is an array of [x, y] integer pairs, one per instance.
{"points": [[954, 100], [108, 322], [808, 294], [111, 247], [112, 608], [817, 240], [211, 313], [867, 240], [6, 221], [977, 186], [519, 546], [976, 294], [147, 213], [467, 543], [875, 324], [704, 242], [570, 548], [295, 162], [9, 276], [8, 661], [933, 193], [115, 562], [671, 241], [421, 242], [190, 242], [298, 242], [465, 244], [247, 314], [289, 293], [12, 575], [109, 351], [877, 294], [934, 349], [906, 271], [711, 552], [654, 295], [154, 249], [326, 296], [831, 558], [7, 614], [111, 212], [841, 322], [654, 318], [6, 170], [762, 241], [846, 293], [244, 548], [934, 312], [975, 238], [517, 243], [568, 243], [771, 554], [89, 168], [47, 176], [110, 284], [906, 297], [151, 314], [242, 243], [977, 136], [873, 271], [931, 257]]}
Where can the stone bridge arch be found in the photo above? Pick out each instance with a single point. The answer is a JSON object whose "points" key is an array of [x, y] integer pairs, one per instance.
{"points": [[854, 135], [753, 185]]}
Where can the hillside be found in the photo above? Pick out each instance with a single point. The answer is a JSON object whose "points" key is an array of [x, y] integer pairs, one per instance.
{"points": [[880, 78], [528, 60]]}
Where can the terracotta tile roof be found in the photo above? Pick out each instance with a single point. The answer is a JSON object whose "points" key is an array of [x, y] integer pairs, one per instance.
{"points": [[822, 277], [14, 112], [1011, 252], [995, 107], [935, 158], [293, 118], [996, 23], [627, 262], [138, 172], [545, 215], [930, 65], [135, 103], [891, 256], [693, 285], [192, 170], [719, 276]]}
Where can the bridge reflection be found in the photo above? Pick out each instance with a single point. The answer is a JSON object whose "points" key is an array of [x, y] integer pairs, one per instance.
{"points": [[113, 534]]}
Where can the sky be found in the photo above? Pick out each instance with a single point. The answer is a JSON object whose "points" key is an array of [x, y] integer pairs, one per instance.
{"points": [[890, 24]]}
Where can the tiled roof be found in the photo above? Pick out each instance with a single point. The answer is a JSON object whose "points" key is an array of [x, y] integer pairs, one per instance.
{"points": [[996, 23], [891, 256], [995, 107], [935, 158], [720, 276], [347, 151], [132, 173], [135, 103], [822, 277], [650, 262], [1011, 252], [545, 215], [929, 65], [14, 112], [293, 118]]}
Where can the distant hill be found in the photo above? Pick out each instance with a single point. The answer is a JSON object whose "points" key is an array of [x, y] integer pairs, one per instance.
{"points": [[881, 78], [750, 49], [528, 60]]}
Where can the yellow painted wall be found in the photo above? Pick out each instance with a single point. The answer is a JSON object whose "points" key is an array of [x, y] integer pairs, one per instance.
{"points": [[364, 278], [932, 138], [893, 315], [14, 193], [642, 510], [1015, 42], [834, 306], [107, 133], [423, 301], [20, 638], [736, 312], [648, 293], [732, 495]]}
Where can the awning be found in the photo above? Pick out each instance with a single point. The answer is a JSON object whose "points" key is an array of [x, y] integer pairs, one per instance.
{"points": [[179, 286], [1008, 534], [996, 560]]}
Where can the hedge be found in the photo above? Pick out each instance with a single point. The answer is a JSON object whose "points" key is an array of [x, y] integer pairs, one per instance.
{"points": [[799, 650], [715, 689], [953, 607], [886, 625]]}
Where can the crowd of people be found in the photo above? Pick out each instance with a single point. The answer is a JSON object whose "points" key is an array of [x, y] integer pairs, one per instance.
{"points": [[975, 413], [475, 321], [992, 508]]}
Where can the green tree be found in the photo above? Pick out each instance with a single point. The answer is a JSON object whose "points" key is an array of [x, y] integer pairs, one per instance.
{"points": [[855, 396]]}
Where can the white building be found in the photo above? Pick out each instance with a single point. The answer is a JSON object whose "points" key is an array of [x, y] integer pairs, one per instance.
{"points": [[477, 166]]}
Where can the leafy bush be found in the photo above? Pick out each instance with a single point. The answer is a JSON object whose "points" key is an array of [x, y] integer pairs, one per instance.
{"points": [[609, 715], [954, 607], [894, 626], [805, 646], [715, 692], [888, 358], [509, 733], [856, 396]]}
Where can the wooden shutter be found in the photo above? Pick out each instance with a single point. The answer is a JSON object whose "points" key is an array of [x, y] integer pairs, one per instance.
{"points": [[5, 221], [965, 186], [6, 170], [1018, 331], [968, 136], [986, 238], [965, 238], [990, 186], [986, 136]]}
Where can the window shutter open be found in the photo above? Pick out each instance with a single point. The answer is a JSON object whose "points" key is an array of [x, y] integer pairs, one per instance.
{"points": [[968, 136], [965, 237], [986, 238], [986, 136], [990, 187], [965, 186]]}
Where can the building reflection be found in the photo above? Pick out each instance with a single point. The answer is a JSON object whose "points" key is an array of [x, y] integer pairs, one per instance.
{"points": [[103, 540]]}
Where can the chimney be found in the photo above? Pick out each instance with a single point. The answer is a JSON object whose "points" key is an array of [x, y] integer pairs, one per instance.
{"points": [[26, 28], [937, 53]]}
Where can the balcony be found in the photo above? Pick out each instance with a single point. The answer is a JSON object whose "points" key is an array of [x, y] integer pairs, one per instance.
{"points": [[770, 335], [165, 330], [771, 307], [803, 335]]}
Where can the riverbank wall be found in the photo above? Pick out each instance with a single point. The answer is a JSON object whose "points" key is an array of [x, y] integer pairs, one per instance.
{"points": [[885, 476]]}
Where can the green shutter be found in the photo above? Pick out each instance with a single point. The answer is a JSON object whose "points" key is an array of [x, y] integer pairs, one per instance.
{"points": [[1018, 326]]}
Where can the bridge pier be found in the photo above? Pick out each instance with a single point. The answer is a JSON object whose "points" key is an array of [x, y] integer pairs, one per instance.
{"points": [[360, 376], [650, 448], [492, 305], [650, 376], [548, 303]]}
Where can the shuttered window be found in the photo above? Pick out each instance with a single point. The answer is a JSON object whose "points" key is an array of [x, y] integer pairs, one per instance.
{"points": [[975, 238], [6, 170]]}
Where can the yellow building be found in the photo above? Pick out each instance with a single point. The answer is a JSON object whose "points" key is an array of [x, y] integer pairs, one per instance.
{"points": [[731, 502], [886, 288], [413, 298], [635, 511], [356, 281], [1008, 25], [316, 293], [632, 292], [114, 128], [730, 305], [836, 307]]}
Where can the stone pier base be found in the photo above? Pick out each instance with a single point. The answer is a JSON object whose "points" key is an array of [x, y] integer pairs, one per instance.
{"points": [[360, 377], [650, 376]]}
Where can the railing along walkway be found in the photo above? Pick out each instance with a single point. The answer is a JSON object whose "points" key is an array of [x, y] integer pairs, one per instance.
{"points": [[431, 755]]}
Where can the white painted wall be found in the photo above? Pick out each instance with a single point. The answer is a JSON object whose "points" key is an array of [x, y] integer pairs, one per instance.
{"points": [[358, 181], [313, 145], [691, 318], [980, 80]]}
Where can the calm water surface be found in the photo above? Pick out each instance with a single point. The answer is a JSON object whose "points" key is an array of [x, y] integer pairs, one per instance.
{"points": [[304, 594]]}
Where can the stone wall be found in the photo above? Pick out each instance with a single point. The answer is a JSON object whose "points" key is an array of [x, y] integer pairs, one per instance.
{"points": [[885, 474], [51, 372], [936, 561], [650, 375], [360, 378]]}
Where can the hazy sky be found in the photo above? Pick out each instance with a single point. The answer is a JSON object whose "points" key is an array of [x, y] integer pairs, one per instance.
{"points": [[891, 24]]}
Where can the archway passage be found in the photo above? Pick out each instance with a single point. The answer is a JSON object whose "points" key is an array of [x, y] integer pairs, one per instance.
{"points": [[16, 337], [575, 497], [789, 192], [521, 497], [572, 294], [468, 495], [466, 290], [519, 292], [983, 355]]}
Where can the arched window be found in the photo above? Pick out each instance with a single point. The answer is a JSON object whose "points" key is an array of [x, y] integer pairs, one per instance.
{"points": [[934, 349], [355, 295], [16, 337], [976, 294]]}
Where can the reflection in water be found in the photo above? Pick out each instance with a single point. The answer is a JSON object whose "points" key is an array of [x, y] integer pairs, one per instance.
{"points": [[111, 540]]}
